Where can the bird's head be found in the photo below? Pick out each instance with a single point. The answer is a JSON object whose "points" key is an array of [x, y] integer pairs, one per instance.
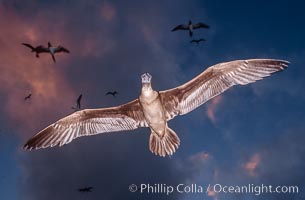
{"points": [[146, 81], [49, 44], [190, 22]]}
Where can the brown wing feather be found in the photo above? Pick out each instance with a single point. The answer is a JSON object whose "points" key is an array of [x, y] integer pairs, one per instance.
{"points": [[89, 122], [214, 81]]}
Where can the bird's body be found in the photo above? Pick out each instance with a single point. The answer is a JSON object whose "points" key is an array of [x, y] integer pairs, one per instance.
{"points": [[155, 117], [154, 109], [190, 27], [50, 49], [154, 113]]}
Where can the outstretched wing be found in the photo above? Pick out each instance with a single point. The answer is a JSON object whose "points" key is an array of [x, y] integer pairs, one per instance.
{"points": [[89, 122], [61, 49], [200, 25], [214, 81], [28, 45], [181, 27]]}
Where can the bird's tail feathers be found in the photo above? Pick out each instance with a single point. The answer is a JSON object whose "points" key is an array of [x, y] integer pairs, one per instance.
{"points": [[166, 145]]}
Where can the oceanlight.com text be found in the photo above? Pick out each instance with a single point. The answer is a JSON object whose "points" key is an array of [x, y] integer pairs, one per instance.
{"points": [[212, 188]]}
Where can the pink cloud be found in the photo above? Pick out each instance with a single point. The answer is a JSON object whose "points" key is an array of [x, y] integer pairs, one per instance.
{"points": [[213, 194], [212, 107], [22, 73], [252, 165], [31, 34]]}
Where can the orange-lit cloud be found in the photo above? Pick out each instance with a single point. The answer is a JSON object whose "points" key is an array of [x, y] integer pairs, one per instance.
{"points": [[213, 194], [252, 165], [22, 73], [211, 108]]}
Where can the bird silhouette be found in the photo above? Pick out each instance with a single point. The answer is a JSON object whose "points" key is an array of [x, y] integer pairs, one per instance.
{"points": [[78, 103], [28, 97], [154, 109], [114, 93], [52, 50], [85, 189], [190, 27], [197, 41]]}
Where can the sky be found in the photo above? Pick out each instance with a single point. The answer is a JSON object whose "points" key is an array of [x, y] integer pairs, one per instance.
{"points": [[251, 134]]}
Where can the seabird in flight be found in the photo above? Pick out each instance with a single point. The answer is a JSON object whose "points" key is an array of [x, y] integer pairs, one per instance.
{"points": [[114, 93], [154, 109], [190, 27], [50, 49], [78, 103], [197, 41], [28, 97], [85, 189]]}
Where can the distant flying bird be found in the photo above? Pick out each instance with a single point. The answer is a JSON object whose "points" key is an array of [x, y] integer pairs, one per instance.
{"points": [[78, 104], [154, 109], [197, 41], [114, 93], [50, 49], [190, 27], [28, 97], [85, 189]]}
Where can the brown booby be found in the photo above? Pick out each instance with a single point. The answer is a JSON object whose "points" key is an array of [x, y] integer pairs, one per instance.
{"points": [[50, 49], [190, 27], [154, 109]]}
